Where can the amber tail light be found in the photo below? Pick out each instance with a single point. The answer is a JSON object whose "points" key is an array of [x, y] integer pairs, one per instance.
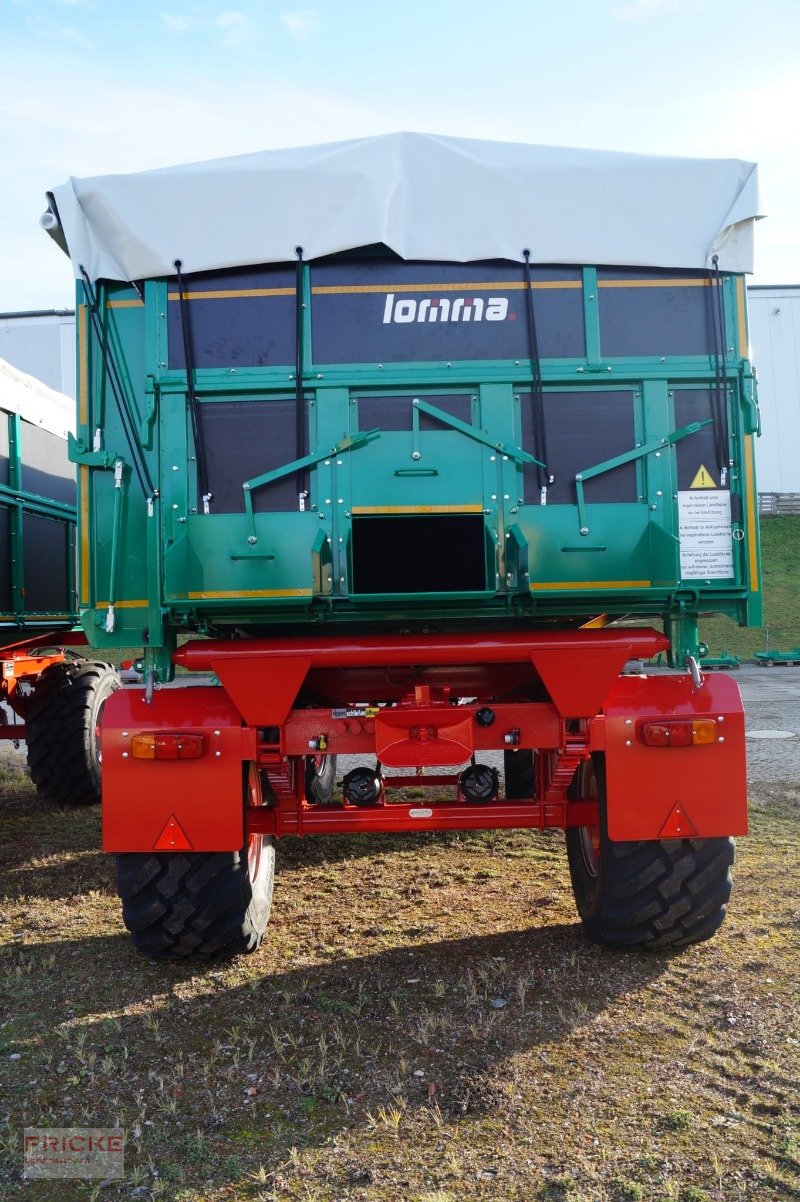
{"points": [[695, 732], [167, 745]]}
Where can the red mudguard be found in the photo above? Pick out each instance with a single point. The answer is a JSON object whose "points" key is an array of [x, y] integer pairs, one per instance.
{"points": [[673, 792]]}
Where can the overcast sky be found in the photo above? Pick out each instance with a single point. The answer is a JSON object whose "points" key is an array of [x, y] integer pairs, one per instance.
{"points": [[97, 86]]}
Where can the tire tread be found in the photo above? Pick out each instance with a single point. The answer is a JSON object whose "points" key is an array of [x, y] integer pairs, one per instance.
{"points": [[61, 732], [193, 904], [656, 893]]}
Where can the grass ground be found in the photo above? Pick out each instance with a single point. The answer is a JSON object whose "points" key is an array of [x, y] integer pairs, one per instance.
{"points": [[780, 556], [424, 1022]]}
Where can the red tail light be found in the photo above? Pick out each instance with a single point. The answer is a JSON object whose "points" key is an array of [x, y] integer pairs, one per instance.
{"points": [[166, 745], [695, 732]]}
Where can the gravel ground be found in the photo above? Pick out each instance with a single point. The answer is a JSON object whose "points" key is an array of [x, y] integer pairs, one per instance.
{"points": [[425, 1021], [772, 705]]}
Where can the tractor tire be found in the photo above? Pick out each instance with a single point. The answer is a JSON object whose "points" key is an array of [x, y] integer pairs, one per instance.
{"points": [[320, 779], [181, 905], [63, 723], [650, 894], [520, 774]]}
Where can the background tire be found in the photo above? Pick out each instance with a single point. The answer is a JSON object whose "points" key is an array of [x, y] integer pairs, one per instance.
{"points": [[320, 779], [198, 904], [63, 730], [519, 770], [649, 894]]}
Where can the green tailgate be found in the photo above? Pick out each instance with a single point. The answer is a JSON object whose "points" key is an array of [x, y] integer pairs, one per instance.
{"points": [[421, 432]]}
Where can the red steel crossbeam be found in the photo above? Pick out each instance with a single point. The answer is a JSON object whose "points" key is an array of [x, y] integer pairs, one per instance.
{"points": [[418, 816], [263, 677], [432, 735]]}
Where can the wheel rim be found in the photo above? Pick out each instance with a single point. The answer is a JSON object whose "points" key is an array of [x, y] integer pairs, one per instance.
{"points": [[255, 844], [98, 732], [590, 835], [318, 776], [590, 848]]}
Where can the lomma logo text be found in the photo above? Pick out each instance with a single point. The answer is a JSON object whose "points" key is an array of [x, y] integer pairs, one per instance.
{"points": [[442, 308]]}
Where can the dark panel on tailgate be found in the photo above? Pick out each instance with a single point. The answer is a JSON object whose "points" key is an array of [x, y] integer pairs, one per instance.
{"points": [[3, 447], [46, 470], [698, 450], [238, 318], [46, 557], [244, 439], [382, 311], [5, 559], [583, 429], [395, 412], [654, 313]]}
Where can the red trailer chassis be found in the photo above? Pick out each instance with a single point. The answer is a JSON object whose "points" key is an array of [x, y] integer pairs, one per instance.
{"points": [[176, 766], [20, 667]]}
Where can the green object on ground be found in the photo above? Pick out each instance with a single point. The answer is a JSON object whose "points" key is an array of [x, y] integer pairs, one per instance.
{"points": [[779, 657]]}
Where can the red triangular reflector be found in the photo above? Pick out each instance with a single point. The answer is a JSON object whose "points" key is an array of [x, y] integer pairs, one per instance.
{"points": [[679, 825], [172, 838]]}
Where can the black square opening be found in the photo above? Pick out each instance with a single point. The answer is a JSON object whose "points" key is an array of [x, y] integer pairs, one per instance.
{"points": [[431, 553]]}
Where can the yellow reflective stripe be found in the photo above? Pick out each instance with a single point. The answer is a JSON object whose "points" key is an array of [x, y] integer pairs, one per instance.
{"points": [[83, 362], [122, 605], [597, 623], [232, 293], [367, 509], [653, 283], [752, 515], [343, 289], [587, 584], [467, 286], [83, 488], [245, 592], [741, 316], [125, 304]]}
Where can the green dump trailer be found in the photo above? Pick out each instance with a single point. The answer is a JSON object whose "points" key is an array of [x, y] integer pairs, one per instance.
{"points": [[49, 696], [415, 449]]}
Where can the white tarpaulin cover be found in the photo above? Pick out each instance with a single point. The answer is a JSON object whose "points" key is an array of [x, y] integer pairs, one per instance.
{"points": [[35, 402], [423, 196]]}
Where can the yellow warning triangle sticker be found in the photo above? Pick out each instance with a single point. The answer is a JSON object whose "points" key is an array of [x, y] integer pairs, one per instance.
{"points": [[703, 479]]}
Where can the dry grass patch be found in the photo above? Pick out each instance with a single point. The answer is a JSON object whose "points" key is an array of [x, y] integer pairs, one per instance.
{"points": [[425, 1021]]}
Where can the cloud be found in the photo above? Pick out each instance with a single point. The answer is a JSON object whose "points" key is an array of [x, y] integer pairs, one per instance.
{"points": [[175, 23], [231, 26], [301, 24], [643, 10], [65, 33], [235, 27]]}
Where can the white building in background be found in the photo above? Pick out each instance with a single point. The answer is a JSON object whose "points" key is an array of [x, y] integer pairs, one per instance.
{"points": [[775, 348], [43, 345]]}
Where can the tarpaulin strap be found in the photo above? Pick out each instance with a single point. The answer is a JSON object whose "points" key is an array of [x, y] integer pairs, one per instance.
{"points": [[125, 415], [299, 395], [719, 404], [191, 392], [537, 392]]}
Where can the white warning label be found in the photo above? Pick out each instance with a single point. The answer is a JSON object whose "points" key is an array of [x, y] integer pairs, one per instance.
{"points": [[704, 525]]}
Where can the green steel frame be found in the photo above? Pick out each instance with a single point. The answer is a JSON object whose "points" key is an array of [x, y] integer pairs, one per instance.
{"points": [[19, 502], [150, 561]]}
